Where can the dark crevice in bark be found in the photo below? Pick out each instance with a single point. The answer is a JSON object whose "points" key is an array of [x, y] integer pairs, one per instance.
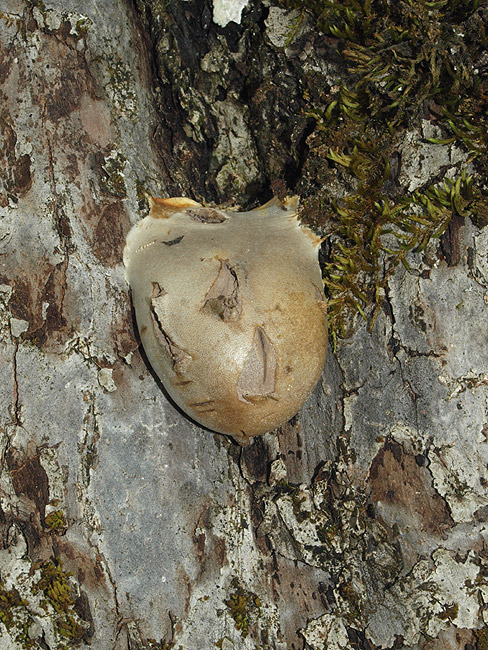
{"points": [[232, 105]]}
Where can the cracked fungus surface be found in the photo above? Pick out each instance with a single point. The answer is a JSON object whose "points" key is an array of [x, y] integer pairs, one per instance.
{"points": [[230, 310]]}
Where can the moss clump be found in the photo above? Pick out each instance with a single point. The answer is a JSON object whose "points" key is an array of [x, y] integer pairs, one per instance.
{"points": [[141, 193], [297, 501], [152, 644], [39, 4], [241, 605], [15, 617], [9, 600], [327, 533], [372, 233], [401, 53], [82, 26], [58, 593], [56, 521], [121, 85], [407, 62], [10, 19], [55, 585]]}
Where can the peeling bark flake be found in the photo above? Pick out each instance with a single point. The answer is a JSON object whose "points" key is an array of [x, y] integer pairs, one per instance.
{"points": [[179, 358], [257, 378], [223, 297], [206, 215]]}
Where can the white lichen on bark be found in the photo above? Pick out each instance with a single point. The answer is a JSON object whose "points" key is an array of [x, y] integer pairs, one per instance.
{"points": [[226, 11]]}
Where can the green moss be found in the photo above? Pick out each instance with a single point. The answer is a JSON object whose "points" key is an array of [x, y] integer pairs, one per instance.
{"points": [[297, 500], [82, 26], [11, 20], [56, 521], [327, 533], [14, 614], [141, 193], [407, 61], [401, 53], [69, 628], [55, 585], [9, 599], [58, 593], [39, 4], [152, 644], [241, 605], [374, 234]]}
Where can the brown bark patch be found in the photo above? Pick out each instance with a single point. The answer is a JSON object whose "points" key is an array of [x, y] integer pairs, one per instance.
{"points": [[62, 79], [292, 448], [451, 240], [38, 295], [22, 175], [15, 171], [402, 484], [306, 589], [255, 461], [82, 608], [64, 96], [88, 572], [122, 328], [29, 479], [453, 638], [53, 294], [21, 297], [109, 235], [5, 64], [95, 119]]}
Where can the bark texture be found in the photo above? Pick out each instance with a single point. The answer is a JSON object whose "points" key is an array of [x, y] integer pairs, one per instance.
{"points": [[362, 523]]}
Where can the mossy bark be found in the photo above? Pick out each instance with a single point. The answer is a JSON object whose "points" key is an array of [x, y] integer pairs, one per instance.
{"points": [[362, 522]]}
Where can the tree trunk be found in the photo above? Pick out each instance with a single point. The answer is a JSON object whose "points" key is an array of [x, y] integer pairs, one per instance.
{"points": [[361, 523]]}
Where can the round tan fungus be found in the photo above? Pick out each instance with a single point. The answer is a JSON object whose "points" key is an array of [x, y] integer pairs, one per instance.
{"points": [[230, 309]]}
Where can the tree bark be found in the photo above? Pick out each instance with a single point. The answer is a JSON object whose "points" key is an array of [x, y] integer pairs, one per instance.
{"points": [[361, 523]]}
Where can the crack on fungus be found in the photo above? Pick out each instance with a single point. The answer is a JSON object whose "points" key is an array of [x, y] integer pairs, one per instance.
{"points": [[257, 378], [172, 242], [207, 215], [223, 297], [180, 359], [203, 407]]}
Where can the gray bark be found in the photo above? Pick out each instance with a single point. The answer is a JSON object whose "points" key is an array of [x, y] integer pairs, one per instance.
{"points": [[361, 523]]}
